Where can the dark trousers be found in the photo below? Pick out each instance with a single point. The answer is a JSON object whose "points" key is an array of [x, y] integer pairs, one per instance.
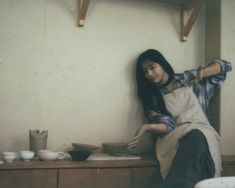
{"points": [[192, 162]]}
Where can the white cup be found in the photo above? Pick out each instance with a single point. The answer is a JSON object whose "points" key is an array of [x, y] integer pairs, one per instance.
{"points": [[50, 155], [9, 156], [26, 155]]}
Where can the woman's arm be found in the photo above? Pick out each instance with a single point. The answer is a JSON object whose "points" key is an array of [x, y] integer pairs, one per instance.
{"points": [[205, 81], [157, 128], [212, 69], [215, 72], [217, 67], [160, 128]]}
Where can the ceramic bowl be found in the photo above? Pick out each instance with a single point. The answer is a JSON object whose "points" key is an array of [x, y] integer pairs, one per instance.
{"points": [[79, 155], [50, 155], [115, 148], [26, 155], [9, 156], [84, 147]]}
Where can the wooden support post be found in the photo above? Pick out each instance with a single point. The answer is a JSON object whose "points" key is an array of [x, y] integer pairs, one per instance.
{"points": [[188, 17], [82, 6]]}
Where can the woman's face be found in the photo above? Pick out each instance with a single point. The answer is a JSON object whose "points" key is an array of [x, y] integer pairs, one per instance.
{"points": [[154, 72]]}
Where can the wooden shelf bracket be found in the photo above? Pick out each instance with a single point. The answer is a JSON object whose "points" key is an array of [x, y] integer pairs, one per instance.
{"points": [[188, 17], [82, 7]]}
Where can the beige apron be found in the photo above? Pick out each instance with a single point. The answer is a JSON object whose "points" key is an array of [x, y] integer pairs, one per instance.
{"points": [[183, 104]]}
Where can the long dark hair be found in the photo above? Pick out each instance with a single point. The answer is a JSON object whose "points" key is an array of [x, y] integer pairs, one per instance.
{"points": [[148, 92]]}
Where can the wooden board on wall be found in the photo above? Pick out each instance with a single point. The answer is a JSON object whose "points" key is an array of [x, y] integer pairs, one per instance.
{"points": [[212, 51]]}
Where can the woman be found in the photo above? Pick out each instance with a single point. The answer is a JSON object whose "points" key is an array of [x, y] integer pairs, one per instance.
{"points": [[176, 106]]}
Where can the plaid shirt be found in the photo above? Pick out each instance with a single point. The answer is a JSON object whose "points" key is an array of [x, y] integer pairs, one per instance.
{"points": [[204, 90]]}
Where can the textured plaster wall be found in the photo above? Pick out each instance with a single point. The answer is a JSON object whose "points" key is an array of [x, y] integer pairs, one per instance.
{"points": [[227, 91], [78, 83]]}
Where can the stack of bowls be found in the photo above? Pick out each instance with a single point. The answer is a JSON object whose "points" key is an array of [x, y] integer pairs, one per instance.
{"points": [[85, 147], [82, 151]]}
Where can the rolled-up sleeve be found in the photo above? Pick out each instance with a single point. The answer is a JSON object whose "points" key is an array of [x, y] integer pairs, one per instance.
{"points": [[215, 81], [225, 65], [155, 117]]}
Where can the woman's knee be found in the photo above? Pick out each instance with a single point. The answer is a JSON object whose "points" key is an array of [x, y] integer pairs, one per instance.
{"points": [[194, 139]]}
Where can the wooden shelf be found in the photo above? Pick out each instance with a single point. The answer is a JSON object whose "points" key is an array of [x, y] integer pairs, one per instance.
{"points": [[190, 10], [186, 3]]}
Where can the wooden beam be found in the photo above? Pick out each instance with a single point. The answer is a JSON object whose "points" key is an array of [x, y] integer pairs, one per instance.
{"points": [[83, 7], [188, 18]]}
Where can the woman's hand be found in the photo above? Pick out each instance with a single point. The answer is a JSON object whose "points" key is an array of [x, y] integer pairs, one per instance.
{"points": [[138, 135], [159, 128]]}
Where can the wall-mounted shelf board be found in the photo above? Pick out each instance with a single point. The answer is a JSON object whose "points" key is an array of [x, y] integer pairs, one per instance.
{"points": [[190, 10]]}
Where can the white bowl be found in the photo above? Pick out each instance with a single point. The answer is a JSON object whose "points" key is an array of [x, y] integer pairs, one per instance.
{"points": [[50, 155], [218, 182], [9, 156], [26, 155]]}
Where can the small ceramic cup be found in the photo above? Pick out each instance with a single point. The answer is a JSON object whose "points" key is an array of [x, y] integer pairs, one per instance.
{"points": [[9, 157], [26, 155], [50, 155]]}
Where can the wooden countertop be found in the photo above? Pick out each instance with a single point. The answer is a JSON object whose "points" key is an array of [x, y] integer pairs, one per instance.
{"points": [[144, 162]]}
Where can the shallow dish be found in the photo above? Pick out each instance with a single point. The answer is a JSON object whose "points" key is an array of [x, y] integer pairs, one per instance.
{"points": [[84, 147], [50, 155], [79, 155], [115, 148]]}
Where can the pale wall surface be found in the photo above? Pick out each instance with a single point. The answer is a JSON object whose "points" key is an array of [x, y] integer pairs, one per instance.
{"points": [[79, 82], [227, 91]]}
